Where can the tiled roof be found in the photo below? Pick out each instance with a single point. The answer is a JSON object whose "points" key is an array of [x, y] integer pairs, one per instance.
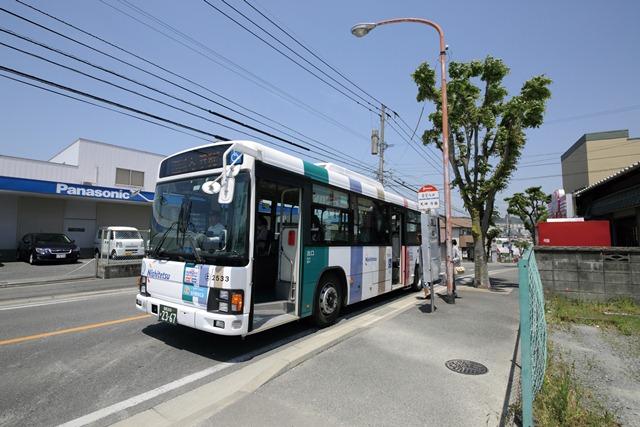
{"points": [[623, 171]]}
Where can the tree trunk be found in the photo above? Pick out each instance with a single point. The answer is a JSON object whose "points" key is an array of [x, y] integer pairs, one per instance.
{"points": [[481, 277], [533, 235]]}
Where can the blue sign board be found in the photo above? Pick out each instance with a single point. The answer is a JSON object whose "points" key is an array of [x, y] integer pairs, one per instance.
{"points": [[76, 190]]}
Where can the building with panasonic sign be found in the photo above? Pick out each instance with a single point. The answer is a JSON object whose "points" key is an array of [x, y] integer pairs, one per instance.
{"points": [[85, 186]]}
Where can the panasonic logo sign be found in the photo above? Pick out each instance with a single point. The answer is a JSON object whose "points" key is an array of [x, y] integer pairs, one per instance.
{"points": [[92, 192]]}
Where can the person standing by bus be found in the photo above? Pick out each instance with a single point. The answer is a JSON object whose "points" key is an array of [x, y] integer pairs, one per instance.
{"points": [[456, 257]]}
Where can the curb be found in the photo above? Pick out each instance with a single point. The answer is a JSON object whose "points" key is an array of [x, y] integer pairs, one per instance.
{"points": [[199, 404], [43, 281]]}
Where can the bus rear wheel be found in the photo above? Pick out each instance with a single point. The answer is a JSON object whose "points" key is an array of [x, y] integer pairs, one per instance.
{"points": [[328, 301]]}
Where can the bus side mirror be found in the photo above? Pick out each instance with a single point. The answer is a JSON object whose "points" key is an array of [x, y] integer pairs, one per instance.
{"points": [[228, 184], [225, 196]]}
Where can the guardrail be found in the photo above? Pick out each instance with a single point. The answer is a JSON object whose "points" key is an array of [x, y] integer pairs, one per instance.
{"points": [[533, 334]]}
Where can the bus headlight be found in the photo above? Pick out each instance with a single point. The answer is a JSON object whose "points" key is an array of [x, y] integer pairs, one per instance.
{"points": [[229, 301]]}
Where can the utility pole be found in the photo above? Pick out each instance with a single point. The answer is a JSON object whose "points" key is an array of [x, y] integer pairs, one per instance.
{"points": [[381, 145], [378, 145]]}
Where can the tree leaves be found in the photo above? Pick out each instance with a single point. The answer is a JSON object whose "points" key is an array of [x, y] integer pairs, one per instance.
{"points": [[530, 207], [487, 129]]}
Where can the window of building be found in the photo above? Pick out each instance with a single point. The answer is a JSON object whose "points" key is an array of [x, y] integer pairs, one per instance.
{"points": [[129, 177]]}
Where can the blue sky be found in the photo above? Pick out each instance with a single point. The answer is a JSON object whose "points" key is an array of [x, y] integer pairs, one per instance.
{"points": [[589, 49]]}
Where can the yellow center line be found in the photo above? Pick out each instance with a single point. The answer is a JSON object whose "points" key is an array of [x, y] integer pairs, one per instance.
{"points": [[71, 330]]}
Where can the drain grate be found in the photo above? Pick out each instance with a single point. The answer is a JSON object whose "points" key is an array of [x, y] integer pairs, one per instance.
{"points": [[466, 367]]}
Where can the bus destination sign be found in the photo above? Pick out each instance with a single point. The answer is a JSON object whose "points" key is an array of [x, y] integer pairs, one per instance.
{"points": [[196, 160]]}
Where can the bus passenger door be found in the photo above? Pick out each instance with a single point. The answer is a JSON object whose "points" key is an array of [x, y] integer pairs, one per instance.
{"points": [[276, 253], [289, 222]]}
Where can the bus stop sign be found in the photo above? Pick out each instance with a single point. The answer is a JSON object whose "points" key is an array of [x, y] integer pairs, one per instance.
{"points": [[428, 198]]}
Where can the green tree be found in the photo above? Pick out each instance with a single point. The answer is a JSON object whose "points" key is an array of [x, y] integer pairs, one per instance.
{"points": [[530, 207], [487, 135]]}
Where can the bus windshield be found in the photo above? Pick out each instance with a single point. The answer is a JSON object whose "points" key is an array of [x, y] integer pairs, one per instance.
{"points": [[190, 225]]}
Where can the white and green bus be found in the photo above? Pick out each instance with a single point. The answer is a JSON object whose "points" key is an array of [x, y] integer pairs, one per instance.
{"points": [[245, 238]]}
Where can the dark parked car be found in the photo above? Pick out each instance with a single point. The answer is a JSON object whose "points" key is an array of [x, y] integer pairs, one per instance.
{"points": [[36, 247]]}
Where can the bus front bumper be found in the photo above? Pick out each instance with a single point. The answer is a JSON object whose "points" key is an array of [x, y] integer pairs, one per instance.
{"points": [[221, 324]]}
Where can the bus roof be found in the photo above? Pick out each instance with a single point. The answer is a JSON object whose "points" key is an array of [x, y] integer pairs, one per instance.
{"points": [[326, 173]]}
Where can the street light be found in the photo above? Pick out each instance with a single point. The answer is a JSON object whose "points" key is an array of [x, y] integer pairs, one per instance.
{"points": [[361, 30]]}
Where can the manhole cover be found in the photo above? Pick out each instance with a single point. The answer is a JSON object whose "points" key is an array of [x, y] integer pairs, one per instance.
{"points": [[466, 367]]}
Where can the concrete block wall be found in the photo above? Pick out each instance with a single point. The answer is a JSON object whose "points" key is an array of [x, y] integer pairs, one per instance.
{"points": [[590, 273]]}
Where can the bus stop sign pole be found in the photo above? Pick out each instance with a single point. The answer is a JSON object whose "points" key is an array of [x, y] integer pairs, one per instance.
{"points": [[428, 203]]}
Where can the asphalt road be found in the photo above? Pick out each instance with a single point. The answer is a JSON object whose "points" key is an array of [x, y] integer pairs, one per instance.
{"points": [[83, 347]]}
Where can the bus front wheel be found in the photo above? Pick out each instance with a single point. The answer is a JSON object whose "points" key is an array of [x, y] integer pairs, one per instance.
{"points": [[328, 301]]}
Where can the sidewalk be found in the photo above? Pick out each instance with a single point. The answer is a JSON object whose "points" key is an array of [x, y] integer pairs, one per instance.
{"points": [[394, 372], [18, 273]]}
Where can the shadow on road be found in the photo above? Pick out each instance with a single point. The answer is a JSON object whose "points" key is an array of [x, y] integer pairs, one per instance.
{"points": [[224, 349], [501, 285]]}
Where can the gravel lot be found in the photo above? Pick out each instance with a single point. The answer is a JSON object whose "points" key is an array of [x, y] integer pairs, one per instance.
{"points": [[606, 362]]}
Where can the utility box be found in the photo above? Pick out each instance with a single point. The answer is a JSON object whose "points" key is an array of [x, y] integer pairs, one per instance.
{"points": [[574, 233]]}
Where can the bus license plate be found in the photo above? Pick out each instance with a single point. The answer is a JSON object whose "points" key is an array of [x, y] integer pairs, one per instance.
{"points": [[168, 315]]}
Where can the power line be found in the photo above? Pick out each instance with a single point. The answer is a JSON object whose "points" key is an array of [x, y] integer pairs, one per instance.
{"points": [[312, 53], [594, 114], [153, 99], [128, 108], [152, 17], [138, 83], [408, 127], [366, 167], [166, 80], [400, 131], [141, 94], [244, 73], [103, 107], [107, 101], [287, 56], [568, 174], [420, 153], [411, 137]]}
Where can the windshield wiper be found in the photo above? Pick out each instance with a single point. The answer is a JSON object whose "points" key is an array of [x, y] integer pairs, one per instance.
{"points": [[156, 250], [193, 243]]}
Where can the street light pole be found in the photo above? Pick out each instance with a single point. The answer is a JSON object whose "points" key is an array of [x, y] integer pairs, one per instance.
{"points": [[361, 30]]}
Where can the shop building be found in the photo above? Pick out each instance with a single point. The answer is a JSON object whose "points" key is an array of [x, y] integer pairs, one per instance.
{"points": [[85, 186], [596, 156], [615, 198]]}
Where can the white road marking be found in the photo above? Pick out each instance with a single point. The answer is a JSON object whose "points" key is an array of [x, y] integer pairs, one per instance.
{"points": [[136, 400], [469, 276], [141, 398], [66, 299]]}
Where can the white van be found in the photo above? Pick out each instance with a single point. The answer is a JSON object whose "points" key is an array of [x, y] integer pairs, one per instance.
{"points": [[116, 242]]}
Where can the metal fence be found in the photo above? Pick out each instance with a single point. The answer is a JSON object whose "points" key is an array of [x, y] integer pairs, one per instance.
{"points": [[533, 334]]}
